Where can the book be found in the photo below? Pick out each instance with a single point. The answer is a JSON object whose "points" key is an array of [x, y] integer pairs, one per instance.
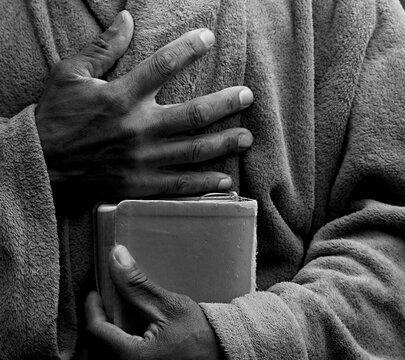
{"points": [[203, 247]]}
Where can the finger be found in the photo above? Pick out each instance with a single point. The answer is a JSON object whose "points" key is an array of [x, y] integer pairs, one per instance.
{"points": [[202, 111], [111, 336], [121, 183], [199, 148], [133, 285], [147, 78], [94, 308], [176, 183], [96, 59]]}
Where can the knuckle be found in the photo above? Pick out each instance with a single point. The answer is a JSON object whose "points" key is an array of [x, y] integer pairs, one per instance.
{"points": [[136, 279], [230, 142], [228, 102], [199, 114], [196, 149], [99, 49], [164, 63], [166, 187], [111, 33], [191, 47], [178, 305], [100, 46], [183, 184], [187, 184], [205, 185]]}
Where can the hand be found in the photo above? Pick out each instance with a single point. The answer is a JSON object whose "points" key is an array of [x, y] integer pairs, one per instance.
{"points": [[174, 326], [114, 137]]}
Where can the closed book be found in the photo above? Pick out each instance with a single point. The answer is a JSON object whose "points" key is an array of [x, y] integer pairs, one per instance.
{"points": [[203, 247]]}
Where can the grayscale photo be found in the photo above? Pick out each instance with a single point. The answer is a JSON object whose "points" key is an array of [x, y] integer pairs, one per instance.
{"points": [[202, 179]]}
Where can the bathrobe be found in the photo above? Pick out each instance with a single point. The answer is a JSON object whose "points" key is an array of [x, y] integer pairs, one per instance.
{"points": [[327, 168]]}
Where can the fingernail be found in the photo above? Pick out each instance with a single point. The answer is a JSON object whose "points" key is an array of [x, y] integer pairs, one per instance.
{"points": [[246, 97], [245, 141], [123, 257], [225, 184], [207, 37]]}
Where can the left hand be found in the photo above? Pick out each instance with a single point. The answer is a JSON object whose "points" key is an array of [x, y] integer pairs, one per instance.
{"points": [[174, 326]]}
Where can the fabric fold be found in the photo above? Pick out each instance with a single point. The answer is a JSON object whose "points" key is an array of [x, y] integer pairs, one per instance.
{"points": [[327, 169], [29, 249], [257, 326]]}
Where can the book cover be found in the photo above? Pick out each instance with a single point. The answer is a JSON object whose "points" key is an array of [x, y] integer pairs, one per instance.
{"points": [[203, 247]]}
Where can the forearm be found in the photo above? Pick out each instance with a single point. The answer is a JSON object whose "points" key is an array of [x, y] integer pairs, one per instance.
{"points": [[346, 302], [347, 299]]}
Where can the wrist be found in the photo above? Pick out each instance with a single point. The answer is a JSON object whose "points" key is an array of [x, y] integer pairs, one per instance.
{"points": [[220, 351]]}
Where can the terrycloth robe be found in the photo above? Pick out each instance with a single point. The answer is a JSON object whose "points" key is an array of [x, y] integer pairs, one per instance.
{"points": [[327, 168]]}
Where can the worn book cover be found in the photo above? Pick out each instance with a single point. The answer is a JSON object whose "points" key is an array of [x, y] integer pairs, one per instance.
{"points": [[203, 247]]}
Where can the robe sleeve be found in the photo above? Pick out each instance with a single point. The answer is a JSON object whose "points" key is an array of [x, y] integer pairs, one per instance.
{"points": [[29, 250], [347, 301]]}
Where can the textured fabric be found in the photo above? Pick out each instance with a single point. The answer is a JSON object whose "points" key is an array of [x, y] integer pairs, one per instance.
{"points": [[330, 139], [327, 168], [29, 250]]}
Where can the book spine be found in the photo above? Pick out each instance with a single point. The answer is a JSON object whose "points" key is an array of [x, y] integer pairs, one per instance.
{"points": [[105, 242]]}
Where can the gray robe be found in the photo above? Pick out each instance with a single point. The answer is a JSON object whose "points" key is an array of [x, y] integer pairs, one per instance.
{"points": [[327, 168]]}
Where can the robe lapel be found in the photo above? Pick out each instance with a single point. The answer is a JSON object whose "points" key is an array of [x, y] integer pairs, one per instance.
{"points": [[105, 10]]}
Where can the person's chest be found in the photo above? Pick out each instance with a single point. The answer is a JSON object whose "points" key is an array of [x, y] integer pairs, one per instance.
{"points": [[36, 35]]}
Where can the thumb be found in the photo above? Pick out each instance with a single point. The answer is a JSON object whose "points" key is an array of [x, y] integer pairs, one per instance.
{"points": [[96, 59], [134, 286]]}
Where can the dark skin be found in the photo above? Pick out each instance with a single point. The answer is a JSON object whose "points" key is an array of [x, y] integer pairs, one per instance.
{"points": [[175, 327], [113, 139]]}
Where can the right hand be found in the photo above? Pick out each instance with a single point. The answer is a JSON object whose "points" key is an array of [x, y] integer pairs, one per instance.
{"points": [[161, 323], [114, 137]]}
